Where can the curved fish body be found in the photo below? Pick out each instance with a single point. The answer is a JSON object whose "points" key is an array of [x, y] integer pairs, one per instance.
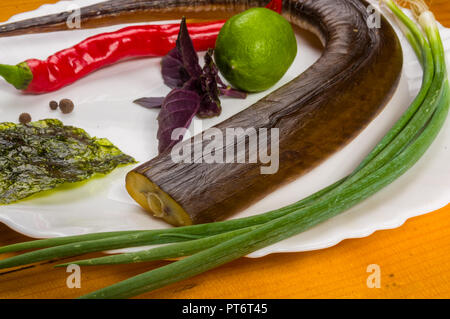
{"points": [[316, 114], [126, 11]]}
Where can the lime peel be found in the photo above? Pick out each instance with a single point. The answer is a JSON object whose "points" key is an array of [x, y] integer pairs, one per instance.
{"points": [[255, 48]]}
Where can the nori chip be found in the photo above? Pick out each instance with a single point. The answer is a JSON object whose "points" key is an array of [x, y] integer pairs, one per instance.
{"points": [[44, 154]]}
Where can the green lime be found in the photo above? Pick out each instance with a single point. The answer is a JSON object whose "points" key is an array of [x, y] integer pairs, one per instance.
{"points": [[255, 48]]}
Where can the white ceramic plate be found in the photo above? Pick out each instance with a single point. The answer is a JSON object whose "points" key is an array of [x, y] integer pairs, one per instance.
{"points": [[104, 109]]}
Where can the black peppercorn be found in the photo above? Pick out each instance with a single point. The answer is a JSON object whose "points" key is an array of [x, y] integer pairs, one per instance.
{"points": [[53, 105], [25, 118], [66, 106]]}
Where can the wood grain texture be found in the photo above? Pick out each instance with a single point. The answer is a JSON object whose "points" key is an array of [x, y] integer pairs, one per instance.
{"points": [[414, 259]]}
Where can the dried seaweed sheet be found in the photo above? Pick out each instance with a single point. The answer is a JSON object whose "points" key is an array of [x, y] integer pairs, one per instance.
{"points": [[45, 154]]}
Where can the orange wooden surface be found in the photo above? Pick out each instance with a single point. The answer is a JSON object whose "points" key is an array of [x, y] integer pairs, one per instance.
{"points": [[414, 259]]}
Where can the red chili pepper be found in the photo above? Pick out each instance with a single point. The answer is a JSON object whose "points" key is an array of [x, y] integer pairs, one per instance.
{"points": [[69, 65], [275, 5]]}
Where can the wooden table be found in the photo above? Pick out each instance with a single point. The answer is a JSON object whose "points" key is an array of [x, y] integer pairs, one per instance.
{"points": [[414, 259]]}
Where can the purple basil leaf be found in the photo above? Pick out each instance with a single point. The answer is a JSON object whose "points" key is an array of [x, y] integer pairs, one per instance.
{"points": [[187, 51], [194, 84], [209, 107], [181, 63], [150, 102], [172, 69], [195, 90], [177, 111], [210, 103], [210, 69]]}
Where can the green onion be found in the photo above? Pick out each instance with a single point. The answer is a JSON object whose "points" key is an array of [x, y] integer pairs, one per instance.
{"points": [[164, 252], [50, 242], [423, 52], [64, 246]]}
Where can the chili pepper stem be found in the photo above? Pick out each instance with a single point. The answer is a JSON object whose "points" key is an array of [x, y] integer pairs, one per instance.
{"points": [[19, 75]]}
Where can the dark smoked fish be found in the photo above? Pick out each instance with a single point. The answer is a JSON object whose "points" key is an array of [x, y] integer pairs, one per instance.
{"points": [[317, 113], [124, 11]]}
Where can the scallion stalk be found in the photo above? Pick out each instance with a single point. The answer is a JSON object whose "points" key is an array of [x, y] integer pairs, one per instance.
{"points": [[165, 252]]}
